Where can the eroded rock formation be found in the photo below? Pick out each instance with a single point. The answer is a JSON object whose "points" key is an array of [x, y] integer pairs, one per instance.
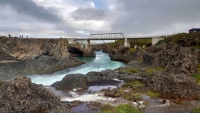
{"points": [[34, 56], [78, 51]]}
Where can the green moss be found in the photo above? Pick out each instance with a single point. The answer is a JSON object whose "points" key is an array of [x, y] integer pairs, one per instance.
{"points": [[198, 68], [152, 94], [126, 108], [132, 49], [107, 108], [196, 77], [137, 96], [131, 70], [197, 46], [198, 98], [123, 108], [151, 70], [196, 110], [116, 43], [133, 84]]}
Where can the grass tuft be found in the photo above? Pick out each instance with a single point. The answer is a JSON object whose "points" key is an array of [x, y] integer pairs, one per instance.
{"points": [[151, 70], [131, 70], [152, 94], [196, 77], [123, 108], [196, 110]]}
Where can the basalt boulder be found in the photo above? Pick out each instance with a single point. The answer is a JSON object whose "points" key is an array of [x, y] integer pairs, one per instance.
{"points": [[22, 96], [71, 81]]}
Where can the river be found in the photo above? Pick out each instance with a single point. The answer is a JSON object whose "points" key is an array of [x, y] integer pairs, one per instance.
{"points": [[100, 62]]}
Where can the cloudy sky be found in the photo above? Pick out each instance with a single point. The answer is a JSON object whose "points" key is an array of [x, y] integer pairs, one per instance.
{"points": [[79, 18]]}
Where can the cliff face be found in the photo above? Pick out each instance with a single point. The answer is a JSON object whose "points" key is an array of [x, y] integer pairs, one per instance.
{"points": [[20, 49], [34, 56]]}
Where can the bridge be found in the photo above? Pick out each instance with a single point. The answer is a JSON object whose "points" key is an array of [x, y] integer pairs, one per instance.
{"points": [[114, 36]]}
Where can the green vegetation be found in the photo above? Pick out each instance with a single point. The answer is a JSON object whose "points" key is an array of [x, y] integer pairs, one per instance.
{"points": [[177, 37], [198, 68], [152, 94], [197, 77], [117, 43], [133, 42], [196, 110], [131, 70], [139, 42], [133, 84], [151, 70], [66, 40], [198, 98], [132, 49], [123, 108]]}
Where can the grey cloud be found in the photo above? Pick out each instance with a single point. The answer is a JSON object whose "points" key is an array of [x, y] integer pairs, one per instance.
{"points": [[36, 13], [28, 7], [145, 17], [88, 14]]}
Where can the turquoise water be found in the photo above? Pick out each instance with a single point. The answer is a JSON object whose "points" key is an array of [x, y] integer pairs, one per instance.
{"points": [[100, 62]]}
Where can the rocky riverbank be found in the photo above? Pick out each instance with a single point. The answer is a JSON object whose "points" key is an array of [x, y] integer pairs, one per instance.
{"points": [[20, 95], [174, 65], [34, 56]]}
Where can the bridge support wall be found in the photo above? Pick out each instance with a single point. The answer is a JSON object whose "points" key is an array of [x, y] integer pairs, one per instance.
{"points": [[125, 43], [156, 39]]}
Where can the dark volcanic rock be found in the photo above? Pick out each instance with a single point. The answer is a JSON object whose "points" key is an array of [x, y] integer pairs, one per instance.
{"points": [[103, 75], [71, 81], [22, 96], [78, 51], [174, 58], [81, 81], [178, 63], [124, 54], [179, 86], [98, 47]]}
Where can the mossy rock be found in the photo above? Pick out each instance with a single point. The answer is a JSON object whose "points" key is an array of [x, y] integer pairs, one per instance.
{"points": [[151, 70], [196, 110], [152, 94], [123, 108]]}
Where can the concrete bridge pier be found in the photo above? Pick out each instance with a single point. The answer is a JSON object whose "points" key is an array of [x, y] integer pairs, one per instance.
{"points": [[87, 44], [126, 43], [155, 40]]}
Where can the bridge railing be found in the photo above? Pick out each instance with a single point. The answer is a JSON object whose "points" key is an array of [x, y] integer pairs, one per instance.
{"points": [[107, 36]]}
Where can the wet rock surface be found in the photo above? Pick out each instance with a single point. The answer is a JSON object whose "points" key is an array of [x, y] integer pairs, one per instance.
{"points": [[20, 95]]}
